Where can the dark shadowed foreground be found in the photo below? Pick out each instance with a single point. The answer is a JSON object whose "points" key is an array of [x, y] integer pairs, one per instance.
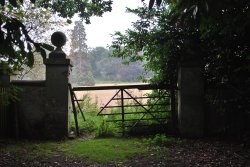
{"points": [[179, 154]]}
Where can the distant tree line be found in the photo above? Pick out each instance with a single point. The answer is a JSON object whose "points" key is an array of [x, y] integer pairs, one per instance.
{"points": [[106, 68], [97, 65], [90, 65]]}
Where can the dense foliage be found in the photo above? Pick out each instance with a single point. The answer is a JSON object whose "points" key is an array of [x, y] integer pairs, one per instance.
{"points": [[17, 47], [215, 33], [149, 35]]}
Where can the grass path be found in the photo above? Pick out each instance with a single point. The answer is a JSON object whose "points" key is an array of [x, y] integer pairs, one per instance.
{"points": [[104, 150], [101, 151], [125, 152]]}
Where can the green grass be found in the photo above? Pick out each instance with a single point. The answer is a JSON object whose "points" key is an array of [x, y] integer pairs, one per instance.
{"points": [[94, 125], [99, 127], [99, 151], [31, 150], [105, 150]]}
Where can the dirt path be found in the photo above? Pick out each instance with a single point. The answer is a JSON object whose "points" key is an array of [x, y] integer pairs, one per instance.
{"points": [[187, 153], [199, 153]]}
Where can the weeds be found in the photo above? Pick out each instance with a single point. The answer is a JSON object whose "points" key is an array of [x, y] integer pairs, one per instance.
{"points": [[94, 125], [137, 117], [159, 140]]}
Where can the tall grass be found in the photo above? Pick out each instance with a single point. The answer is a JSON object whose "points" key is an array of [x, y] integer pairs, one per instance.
{"points": [[100, 126], [94, 125]]}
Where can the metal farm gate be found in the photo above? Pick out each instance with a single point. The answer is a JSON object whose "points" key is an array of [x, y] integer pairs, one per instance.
{"points": [[131, 111]]}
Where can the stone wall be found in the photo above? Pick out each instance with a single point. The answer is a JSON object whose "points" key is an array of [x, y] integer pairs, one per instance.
{"points": [[29, 110], [42, 111]]}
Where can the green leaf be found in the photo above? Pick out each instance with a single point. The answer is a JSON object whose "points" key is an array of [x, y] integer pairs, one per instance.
{"points": [[30, 57], [2, 2], [151, 4], [13, 3], [21, 1], [46, 46], [33, 1], [43, 53]]}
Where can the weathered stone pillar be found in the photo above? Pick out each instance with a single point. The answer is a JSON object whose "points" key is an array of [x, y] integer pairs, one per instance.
{"points": [[191, 98], [56, 90]]}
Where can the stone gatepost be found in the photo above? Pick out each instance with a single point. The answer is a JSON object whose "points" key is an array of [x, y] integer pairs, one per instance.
{"points": [[56, 90], [191, 97]]}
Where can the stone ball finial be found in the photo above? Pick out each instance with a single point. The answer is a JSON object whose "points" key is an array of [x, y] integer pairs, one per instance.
{"points": [[58, 39]]}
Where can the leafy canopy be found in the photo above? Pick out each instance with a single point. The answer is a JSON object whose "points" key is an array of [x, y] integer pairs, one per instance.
{"points": [[16, 45], [216, 33]]}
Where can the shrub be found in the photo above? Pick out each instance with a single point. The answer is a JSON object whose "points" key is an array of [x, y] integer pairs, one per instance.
{"points": [[106, 129], [93, 125]]}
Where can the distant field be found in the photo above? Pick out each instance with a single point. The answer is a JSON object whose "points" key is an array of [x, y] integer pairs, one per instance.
{"points": [[103, 96], [113, 82]]}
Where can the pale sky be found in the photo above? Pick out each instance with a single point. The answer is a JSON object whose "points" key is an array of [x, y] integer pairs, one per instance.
{"points": [[98, 32]]}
